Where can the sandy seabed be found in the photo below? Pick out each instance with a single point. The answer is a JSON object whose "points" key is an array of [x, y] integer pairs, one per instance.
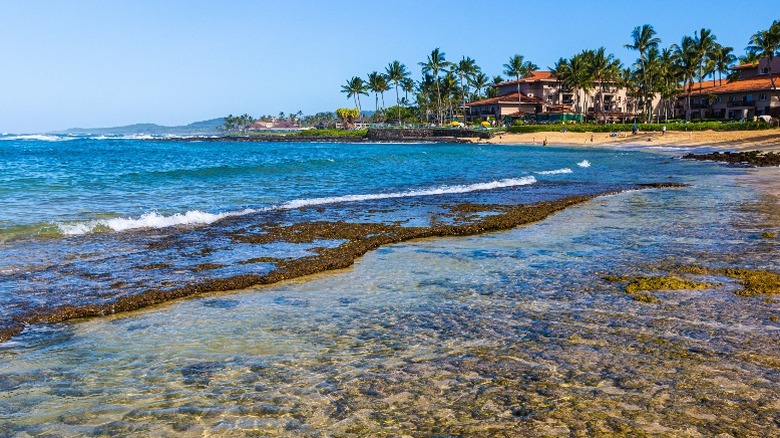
{"points": [[766, 140]]}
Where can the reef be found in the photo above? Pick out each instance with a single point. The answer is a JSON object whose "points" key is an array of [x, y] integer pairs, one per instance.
{"points": [[753, 282], [638, 287], [751, 158], [354, 240]]}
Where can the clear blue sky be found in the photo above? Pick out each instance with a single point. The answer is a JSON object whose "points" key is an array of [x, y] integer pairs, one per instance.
{"points": [[101, 63]]}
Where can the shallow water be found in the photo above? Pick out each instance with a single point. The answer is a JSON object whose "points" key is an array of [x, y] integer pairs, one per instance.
{"points": [[506, 333]]}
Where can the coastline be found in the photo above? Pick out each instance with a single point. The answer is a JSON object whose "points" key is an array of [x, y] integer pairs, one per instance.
{"points": [[766, 140]]}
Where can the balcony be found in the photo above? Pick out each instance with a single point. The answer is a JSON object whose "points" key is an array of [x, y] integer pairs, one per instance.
{"points": [[742, 104]]}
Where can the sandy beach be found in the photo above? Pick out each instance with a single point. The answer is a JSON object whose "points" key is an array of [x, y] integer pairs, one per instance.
{"points": [[767, 140]]}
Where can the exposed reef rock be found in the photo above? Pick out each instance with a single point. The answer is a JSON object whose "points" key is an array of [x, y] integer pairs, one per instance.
{"points": [[752, 158]]}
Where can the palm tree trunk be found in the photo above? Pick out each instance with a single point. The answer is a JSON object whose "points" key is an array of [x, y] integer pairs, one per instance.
{"points": [[397, 103], [438, 101]]}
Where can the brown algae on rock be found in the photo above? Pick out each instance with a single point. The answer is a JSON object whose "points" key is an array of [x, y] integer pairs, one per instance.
{"points": [[753, 281], [638, 287]]}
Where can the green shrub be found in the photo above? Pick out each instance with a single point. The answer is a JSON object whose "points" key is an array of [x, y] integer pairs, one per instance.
{"points": [[643, 127]]}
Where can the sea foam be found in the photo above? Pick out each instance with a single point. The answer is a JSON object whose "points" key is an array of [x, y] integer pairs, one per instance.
{"points": [[443, 190], [148, 220], [554, 172], [155, 220], [584, 163], [37, 137]]}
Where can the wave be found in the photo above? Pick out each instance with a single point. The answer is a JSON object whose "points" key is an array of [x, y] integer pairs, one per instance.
{"points": [[155, 220], [37, 137], [584, 163], [444, 190], [148, 220], [554, 172]]}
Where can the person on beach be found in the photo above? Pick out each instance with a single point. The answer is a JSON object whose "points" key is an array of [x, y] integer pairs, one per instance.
{"points": [[591, 138], [663, 130], [544, 142], [634, 129]]}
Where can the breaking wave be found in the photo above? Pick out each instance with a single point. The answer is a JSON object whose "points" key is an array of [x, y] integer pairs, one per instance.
{"points": [[584, 163], [155, 220], [444, 190], [36, 137]]}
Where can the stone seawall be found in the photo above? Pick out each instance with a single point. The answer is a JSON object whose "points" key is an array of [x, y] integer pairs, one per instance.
{"points": [[436, 134]]}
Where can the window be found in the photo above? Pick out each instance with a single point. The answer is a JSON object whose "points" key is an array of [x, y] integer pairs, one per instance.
{"points": [[765, 71], [762, 96], [731, 98], [719, 99], [749, 98]]}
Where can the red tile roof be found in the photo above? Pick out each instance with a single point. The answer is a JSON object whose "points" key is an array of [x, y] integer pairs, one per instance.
{"points": [[539, 75], [744, 66], [758, 83], [506, 98]]}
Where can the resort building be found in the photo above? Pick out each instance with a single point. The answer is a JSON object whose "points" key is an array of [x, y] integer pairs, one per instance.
{"points": [[544, 99], [749, 96]]}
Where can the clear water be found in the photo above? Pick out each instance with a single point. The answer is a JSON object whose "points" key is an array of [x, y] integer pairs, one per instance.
{"points": [[512, 332]]}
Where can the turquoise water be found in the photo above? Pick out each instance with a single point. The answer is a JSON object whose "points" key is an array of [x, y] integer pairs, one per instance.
{"points": [[513, 332]]}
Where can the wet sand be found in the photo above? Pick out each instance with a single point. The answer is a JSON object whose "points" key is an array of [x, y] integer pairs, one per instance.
{"points": [[766, 140]]}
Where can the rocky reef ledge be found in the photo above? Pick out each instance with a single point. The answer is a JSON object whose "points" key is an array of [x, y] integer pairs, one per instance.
{"points": [[357, 239], [425, 134], [750, 159]]}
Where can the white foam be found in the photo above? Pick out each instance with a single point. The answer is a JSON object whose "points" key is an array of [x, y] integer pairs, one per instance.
{"points": [[444, 190], [148, 220], [38, 137], [155, 220], [584, 163], [554, 172]]}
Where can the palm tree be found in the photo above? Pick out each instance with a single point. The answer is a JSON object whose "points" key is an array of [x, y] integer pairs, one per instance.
{"points": [[493, 91], [686, 62], [465, 69], [450, 92], [750, 57], [377, 83], [603, 70], [396, 72], [479, 82], [436, 62], [704, 43], [424, 95], [518, 68], [576, 75], [767, 43], [724, 59], [408, 85], [354, 88], [652, 71], [627, 78], [643, 38], [560, 69], [669, 80]]}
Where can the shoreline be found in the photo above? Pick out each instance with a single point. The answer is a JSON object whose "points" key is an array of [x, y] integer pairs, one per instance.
{"points": [[738, 141], [765, 140]]}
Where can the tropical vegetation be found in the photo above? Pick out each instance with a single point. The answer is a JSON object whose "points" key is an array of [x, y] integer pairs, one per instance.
{"points": [[656, 79]]}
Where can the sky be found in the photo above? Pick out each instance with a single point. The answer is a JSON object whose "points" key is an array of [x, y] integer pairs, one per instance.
{"points": [[90, 64]]}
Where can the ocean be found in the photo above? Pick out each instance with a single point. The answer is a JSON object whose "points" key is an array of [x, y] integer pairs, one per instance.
{"points": [[153, 287]]}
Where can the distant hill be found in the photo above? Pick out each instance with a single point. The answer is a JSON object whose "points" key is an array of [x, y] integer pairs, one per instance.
{"points": [[203, 128]]}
